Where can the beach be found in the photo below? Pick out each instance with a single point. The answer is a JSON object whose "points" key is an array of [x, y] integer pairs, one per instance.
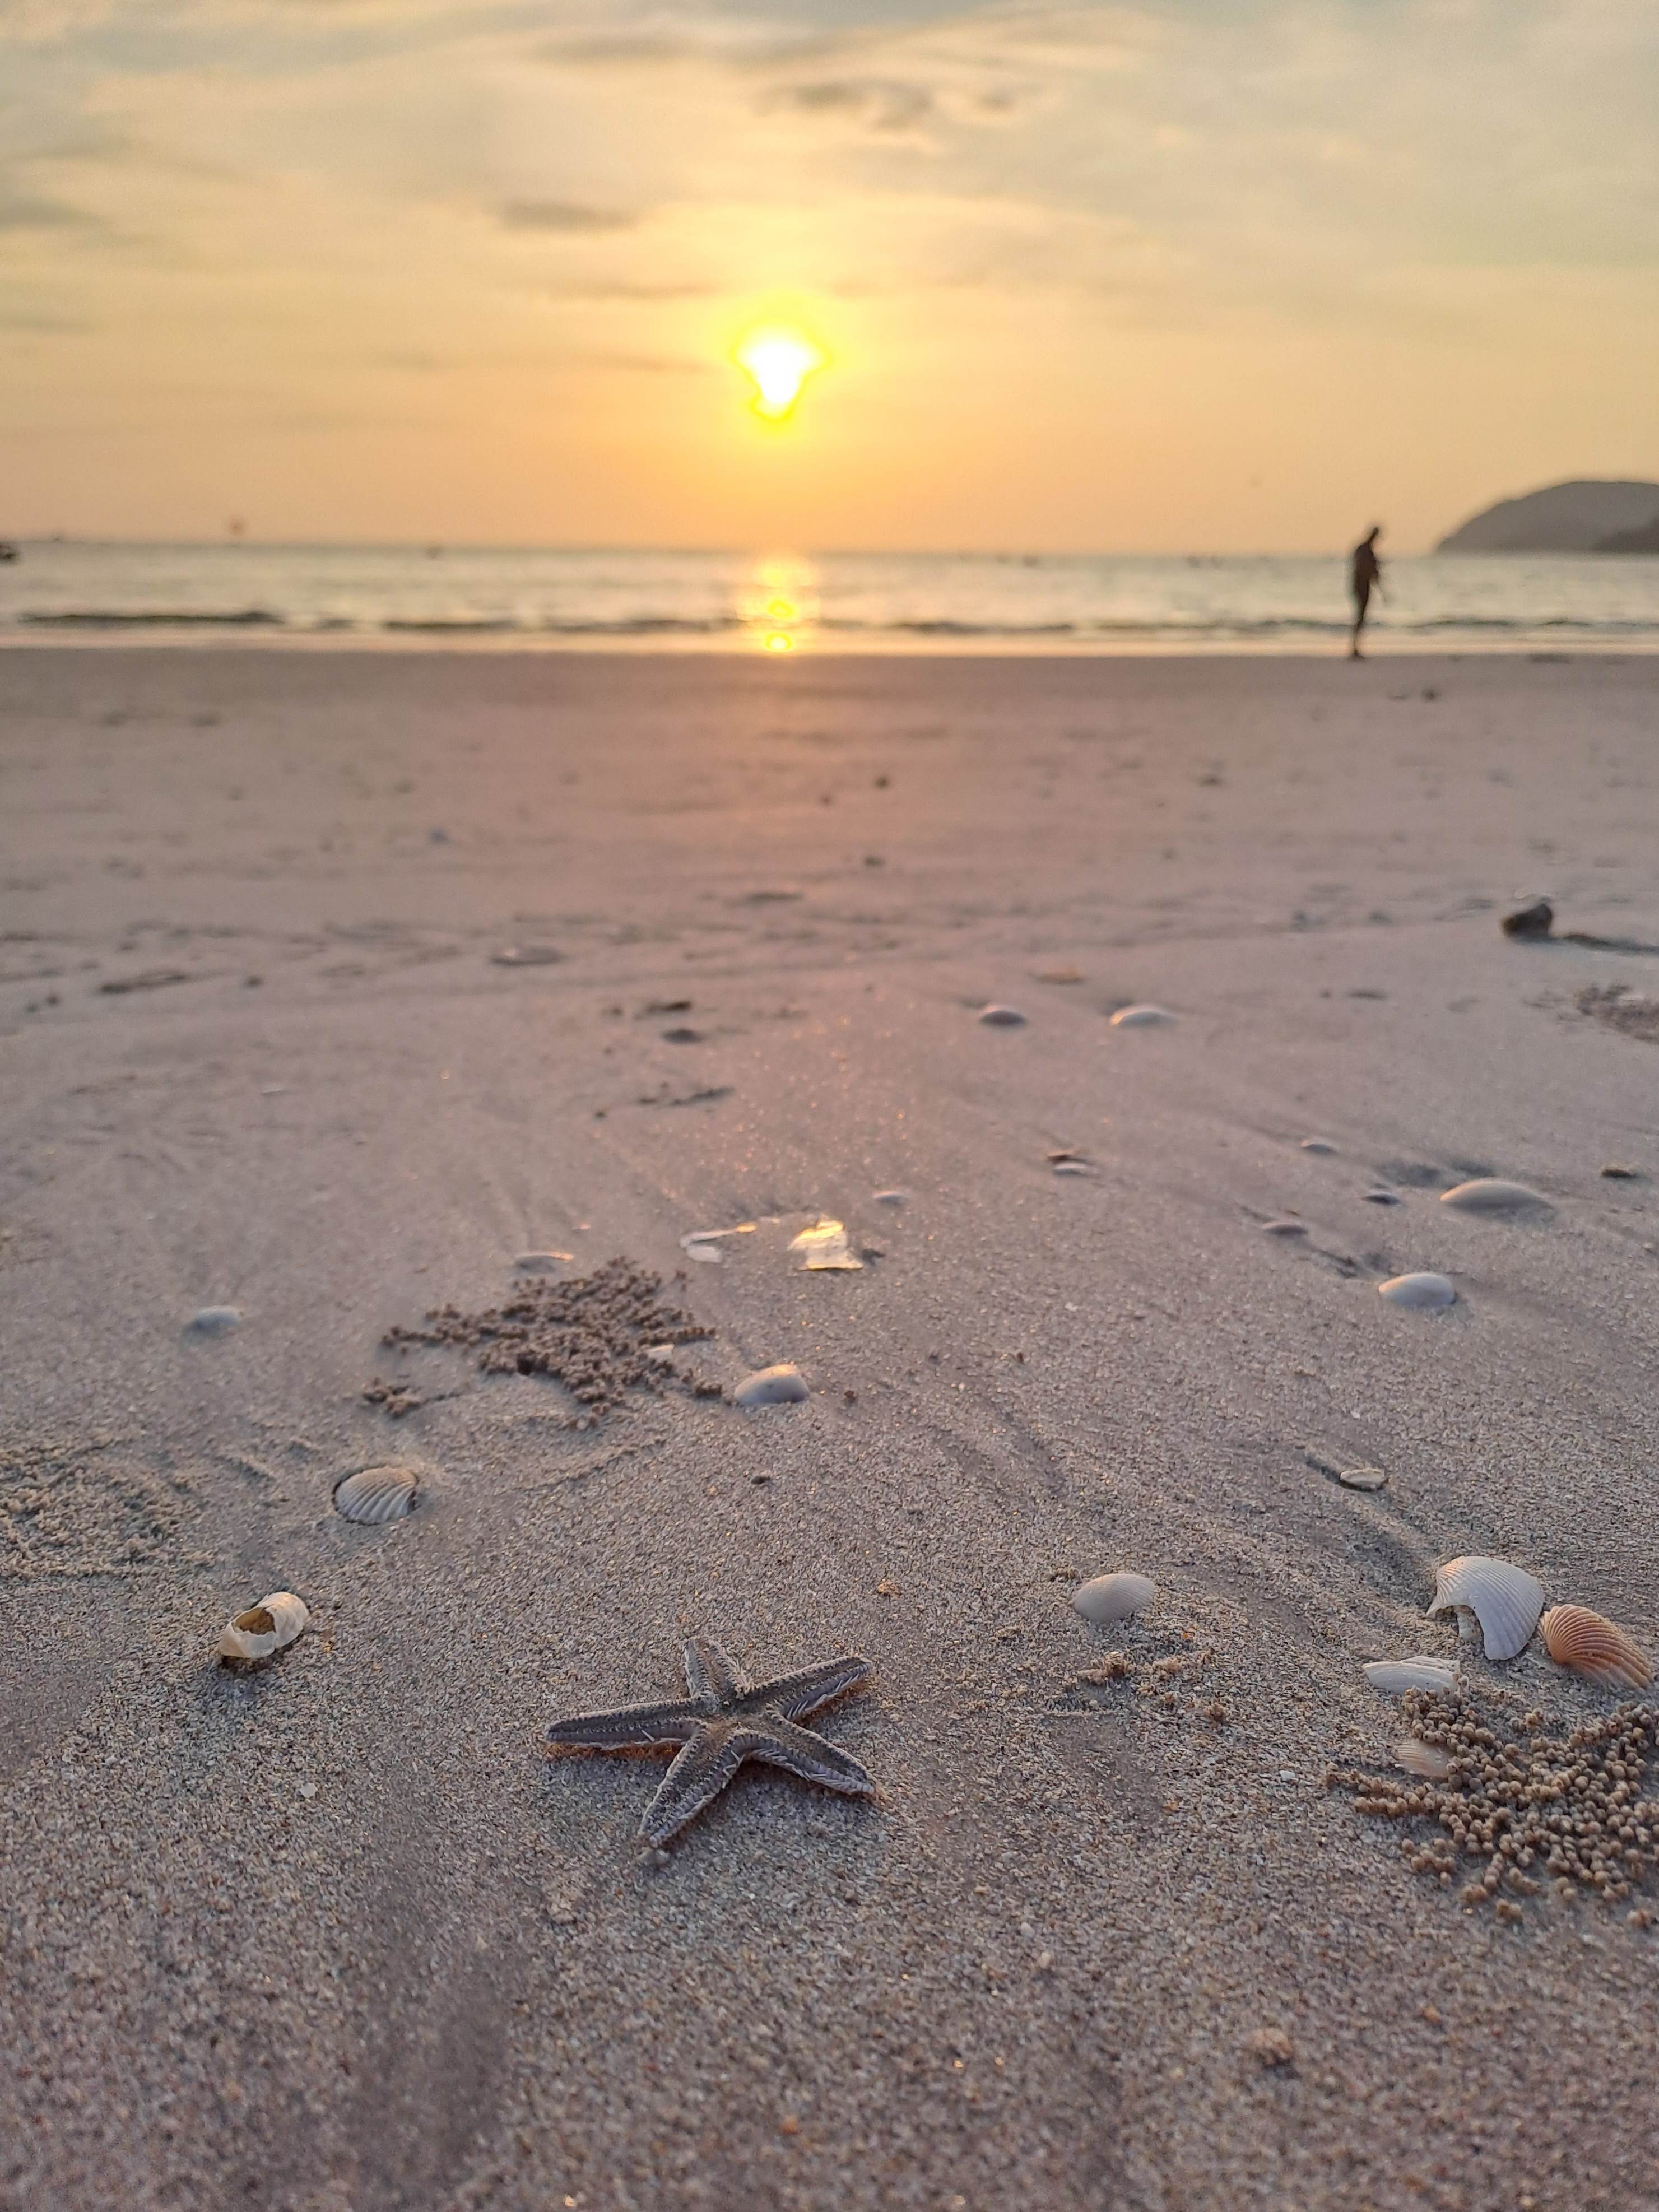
{"points": [[331, 983]]}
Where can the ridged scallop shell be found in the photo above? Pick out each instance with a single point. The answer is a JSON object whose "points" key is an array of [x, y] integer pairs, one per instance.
{"points": [[1423, 1291], [1113, 1597], [1492, 1194], [1394, 1677], [378, 1494], [1504, 1598], [771, 1386], [1427, 1760], [1145, 1016], [264, 1628], [1576, 1637]]}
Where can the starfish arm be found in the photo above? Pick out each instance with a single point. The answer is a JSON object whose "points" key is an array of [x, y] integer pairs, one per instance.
{"points": [[709, 1674], [796, 1695], [630, 1728], [780, 1743], [697, 1777]]}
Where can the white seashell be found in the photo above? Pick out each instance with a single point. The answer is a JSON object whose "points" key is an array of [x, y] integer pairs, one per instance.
{"points": [[1394, 1677], [1072, 1167], [1113, 1597], [1002, 1018], [1284, 1228], [661, 1355], [1492, 1194], [709, 1254], [824, 1245], [1363, 1478], [264, 1628], [1145, 1017], [1504, 1599], [1424, 1292], [1591, 1645], [1321, 1146], [376, 1495], [215, 1321], [771, 1386], [1425, 1760]]}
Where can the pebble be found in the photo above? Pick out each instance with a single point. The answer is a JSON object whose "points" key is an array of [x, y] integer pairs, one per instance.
{"points": [[771, 1386], [1002, 1018], [1321, 1146], [1146, 1017], [1493, 1195], [215, 1321], [540, 1263], [1284, 1228], [1536, 920], [1425, 1290], [1113, 1597]]}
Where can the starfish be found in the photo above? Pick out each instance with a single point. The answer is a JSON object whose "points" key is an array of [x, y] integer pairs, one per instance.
{"points": [[724, 1722]]}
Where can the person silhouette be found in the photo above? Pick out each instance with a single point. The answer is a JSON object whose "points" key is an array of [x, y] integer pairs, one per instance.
{"points": [[1365, 575]]}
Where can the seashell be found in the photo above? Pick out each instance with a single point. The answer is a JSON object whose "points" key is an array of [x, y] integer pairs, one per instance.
{"points": [[526, 955], [1394, 1677], [1576, 1637], [376, 1495], [1071, 1167], [1616, 1171], [892, 1198], [1113, 1597], [264, 1628], [1361, 1477], [824, 1245], [1143, 1017], [1424, 1292], [1002, 1018], [1504, 1599], [1284, 1228], [1492, 1194], [1321, 1146], [709, 1254], [1382, 1196], [215, 1321], [1425, 1760], [771, 1386], [540, 1263]]}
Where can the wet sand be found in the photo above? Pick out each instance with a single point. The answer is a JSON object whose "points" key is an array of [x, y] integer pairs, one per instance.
{"points": [[338, 1936]]}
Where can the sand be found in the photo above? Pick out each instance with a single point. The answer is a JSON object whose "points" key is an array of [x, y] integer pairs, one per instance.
{"points": [[337, 1935]]}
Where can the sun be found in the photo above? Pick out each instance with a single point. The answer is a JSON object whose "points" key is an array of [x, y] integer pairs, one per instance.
{"points": [[777, 361]]}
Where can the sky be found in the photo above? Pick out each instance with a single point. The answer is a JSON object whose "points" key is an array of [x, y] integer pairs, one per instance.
{"points": [[1218, 275]]}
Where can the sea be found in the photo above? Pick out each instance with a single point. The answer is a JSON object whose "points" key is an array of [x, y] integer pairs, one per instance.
{"points": [[59, 590]]}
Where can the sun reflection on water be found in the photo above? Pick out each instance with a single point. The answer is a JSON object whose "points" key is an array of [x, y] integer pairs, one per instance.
{"points": [[777, 604]]}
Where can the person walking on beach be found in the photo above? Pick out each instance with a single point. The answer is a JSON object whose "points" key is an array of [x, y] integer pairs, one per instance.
{"points": [[1365, 575]]}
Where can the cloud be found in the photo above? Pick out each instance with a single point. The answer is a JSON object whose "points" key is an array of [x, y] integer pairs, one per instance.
{"points": [[569, 216], [28, 211], [883, 104]]}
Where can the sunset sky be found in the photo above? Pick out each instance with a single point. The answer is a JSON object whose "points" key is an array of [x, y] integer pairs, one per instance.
{"points": [[1221, 274]]}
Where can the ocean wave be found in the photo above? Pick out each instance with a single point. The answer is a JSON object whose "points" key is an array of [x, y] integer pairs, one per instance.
{"points": [[154, 618]]}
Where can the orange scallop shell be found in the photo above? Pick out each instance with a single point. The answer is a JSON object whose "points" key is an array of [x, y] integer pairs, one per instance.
{"points": [[1576, 1637]]}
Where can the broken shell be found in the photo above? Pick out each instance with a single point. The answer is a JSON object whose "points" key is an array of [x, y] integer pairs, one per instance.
{"points": [[1113, 1597], [1145, 1016], [264, 1628], [771, 1386], [539, 1263], [1423, 1291], [1425, 1760], [1492, 1194], [376, 1495], [1002, 1018], [823, 1246], [1576, 1637], [1394, 1677], [1504, 1598]]}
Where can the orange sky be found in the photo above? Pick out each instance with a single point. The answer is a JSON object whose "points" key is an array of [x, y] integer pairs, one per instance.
{"points": [[1225, 275]]}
